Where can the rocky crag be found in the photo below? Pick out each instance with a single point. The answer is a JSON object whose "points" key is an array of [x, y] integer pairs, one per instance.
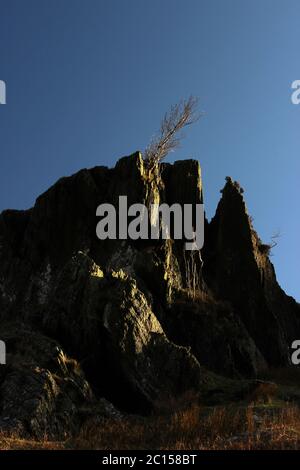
{"points": [[111, 327]]}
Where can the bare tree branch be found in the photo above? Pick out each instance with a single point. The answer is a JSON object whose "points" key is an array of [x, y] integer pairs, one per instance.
{"points": [[275, 238], [168, 138]]}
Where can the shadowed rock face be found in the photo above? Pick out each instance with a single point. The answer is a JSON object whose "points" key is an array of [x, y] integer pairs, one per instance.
{"points": [[140, 317], [239, 270]]}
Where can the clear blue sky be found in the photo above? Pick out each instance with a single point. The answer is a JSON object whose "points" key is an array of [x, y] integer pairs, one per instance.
{"points": [[88, 81]]}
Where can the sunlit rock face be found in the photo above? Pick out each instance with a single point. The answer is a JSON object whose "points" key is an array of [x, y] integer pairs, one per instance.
{"points": [[89, 323]]}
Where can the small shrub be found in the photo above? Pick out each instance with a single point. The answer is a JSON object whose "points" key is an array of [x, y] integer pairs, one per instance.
{"points": [[265, 248]]}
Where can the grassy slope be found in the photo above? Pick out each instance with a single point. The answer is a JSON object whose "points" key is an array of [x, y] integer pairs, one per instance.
{"points": [[269, 418]]}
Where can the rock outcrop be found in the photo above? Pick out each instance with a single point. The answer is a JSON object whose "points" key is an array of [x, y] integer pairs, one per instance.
{"points": [[239, 270], [109, 324], [131, 322], [41, 388]]}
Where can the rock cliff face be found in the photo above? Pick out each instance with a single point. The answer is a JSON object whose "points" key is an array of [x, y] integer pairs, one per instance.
{"points": [[131, 322]]}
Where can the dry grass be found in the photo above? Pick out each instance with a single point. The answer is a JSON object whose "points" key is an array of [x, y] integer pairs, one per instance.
{"points": [[12, 443], [193, 428], [262, 422], [196, 429]]}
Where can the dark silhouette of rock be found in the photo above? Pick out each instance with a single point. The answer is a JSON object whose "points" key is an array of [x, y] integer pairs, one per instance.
{"points": [[146, 320], [238, 271]]}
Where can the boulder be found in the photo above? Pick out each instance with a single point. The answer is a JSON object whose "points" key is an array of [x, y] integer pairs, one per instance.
{"points": [[41, 388]]}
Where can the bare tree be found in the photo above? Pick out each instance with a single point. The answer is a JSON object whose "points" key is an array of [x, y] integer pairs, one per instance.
{"points": [[275, 238], [168, 138]]}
